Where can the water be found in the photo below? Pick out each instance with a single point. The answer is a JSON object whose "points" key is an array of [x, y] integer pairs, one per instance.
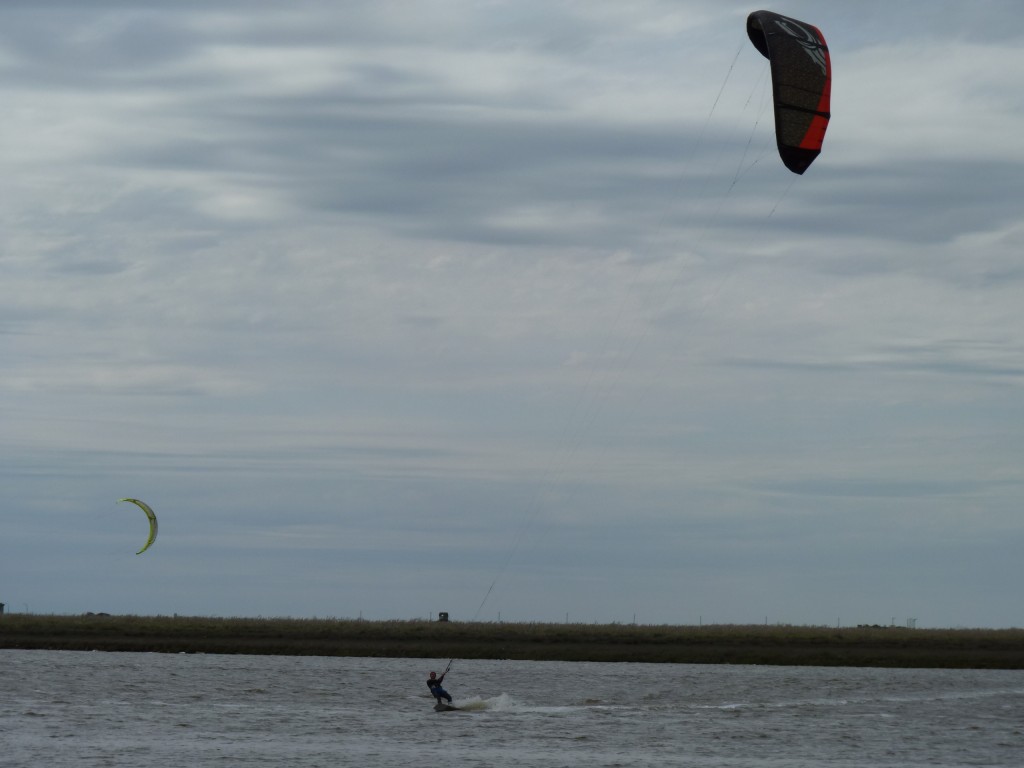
{"points": [[60, 709]]}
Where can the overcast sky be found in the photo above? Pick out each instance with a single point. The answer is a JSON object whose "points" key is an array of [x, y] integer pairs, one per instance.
{"points": [[379, 304]]}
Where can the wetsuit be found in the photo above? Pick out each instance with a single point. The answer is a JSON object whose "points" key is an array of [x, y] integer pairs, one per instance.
{"points": [[434, 684]]}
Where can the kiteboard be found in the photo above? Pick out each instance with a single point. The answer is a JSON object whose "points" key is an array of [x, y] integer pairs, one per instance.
{"points": [[442, 707]]}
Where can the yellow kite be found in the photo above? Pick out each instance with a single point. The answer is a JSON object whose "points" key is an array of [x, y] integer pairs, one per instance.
{"points": [[152, 522]]}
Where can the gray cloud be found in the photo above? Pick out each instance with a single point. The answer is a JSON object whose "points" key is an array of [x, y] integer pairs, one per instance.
{"points": [[369, 300]]}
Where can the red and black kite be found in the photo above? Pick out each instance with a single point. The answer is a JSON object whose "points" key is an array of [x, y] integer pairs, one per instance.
{"points": [[801, 84]]}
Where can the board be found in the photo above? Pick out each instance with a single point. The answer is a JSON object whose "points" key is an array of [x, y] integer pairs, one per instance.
{"points": [[439, 707]]}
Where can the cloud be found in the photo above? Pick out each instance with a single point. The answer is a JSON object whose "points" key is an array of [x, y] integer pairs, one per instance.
{"points": [[430, 287]]}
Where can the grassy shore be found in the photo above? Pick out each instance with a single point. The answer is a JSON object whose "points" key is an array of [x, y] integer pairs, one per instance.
{"points": [[716, 644]]}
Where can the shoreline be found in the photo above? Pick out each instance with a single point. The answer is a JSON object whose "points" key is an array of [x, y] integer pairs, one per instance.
{"points": [[708, 644]]}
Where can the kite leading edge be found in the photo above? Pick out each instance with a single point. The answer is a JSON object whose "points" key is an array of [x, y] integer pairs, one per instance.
{"points": [[152, 522]]}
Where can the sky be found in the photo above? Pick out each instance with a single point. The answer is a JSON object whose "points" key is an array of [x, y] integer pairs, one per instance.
{"points": [[509, 309]]}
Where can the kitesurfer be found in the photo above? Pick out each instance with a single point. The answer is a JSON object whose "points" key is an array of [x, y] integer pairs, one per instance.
{"points": [[434, 684]]}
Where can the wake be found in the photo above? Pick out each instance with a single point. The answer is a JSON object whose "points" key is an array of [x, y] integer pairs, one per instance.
{"points": [[500, 703], [505, 703]]}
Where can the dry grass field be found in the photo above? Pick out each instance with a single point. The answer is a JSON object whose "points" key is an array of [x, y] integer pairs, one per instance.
{"points": [[715, 644]]}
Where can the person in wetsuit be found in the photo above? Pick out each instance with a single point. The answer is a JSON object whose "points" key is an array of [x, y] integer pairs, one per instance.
{"points": [[434, 684]]}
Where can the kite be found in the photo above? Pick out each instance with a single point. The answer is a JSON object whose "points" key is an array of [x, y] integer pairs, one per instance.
{"points": [[801, 84], [152, 522]]}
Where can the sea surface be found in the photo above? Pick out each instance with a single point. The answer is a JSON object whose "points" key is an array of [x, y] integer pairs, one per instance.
{"points": [[61, 708]]}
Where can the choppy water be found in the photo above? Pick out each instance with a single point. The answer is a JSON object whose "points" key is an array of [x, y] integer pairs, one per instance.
{"points": [[63, 709]]}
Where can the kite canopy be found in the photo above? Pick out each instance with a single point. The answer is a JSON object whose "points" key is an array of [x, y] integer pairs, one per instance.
{"points": [[801, 84], [152, 522]]}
